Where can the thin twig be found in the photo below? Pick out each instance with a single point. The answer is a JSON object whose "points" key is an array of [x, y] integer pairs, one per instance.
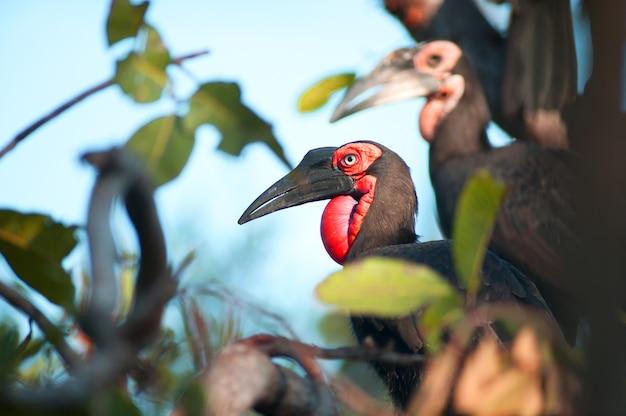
{"points": [[80, 97], [54, 113], [276, 346], [53, 334]]}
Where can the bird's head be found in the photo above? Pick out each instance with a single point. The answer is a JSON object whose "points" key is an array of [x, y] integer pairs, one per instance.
{"points": [[437, 70], [372, 197]]}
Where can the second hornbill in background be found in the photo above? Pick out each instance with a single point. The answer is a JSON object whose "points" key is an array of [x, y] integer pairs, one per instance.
{"points": [[372, 212], [533, 229], [529, 76]]}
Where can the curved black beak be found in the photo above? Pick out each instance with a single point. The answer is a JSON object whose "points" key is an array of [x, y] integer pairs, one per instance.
{"points": [[397, 80], [313, 179]]}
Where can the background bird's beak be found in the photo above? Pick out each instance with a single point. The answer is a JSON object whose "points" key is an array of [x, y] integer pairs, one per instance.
{"points": [[313, 179], [398, 80]]}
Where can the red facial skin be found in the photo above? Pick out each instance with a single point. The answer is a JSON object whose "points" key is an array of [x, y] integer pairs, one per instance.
{"points": [[343, 216], [438, 59]]}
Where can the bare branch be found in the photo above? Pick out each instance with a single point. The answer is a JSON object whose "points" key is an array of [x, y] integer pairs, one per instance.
{"points": [[54, 113], [276, 346], [72, 102], [121, 175], [53, 334]]}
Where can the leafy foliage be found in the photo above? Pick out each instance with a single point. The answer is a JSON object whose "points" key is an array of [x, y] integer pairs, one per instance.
{"points": [[141, 75], [385, 287], [319, 93], [165, 146], [473, 223], [219, 104], [124, 20], [165, 143], [34, 246]]}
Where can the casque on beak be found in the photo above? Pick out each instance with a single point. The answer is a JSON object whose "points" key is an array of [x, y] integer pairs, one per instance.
{"points": [[397, 80]]}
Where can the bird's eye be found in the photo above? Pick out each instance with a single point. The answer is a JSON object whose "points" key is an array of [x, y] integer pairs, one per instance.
{"points": [[434, 60], [349, 159]]}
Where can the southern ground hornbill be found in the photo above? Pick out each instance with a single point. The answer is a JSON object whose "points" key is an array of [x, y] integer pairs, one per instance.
{"points": [[372, 212], [529, 76], [533, 229]]}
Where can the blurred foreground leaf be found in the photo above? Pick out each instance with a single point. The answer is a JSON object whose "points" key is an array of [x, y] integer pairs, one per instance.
{"points": [[117, 403], [219, 104], [141, 75], [124, 20], [9, 339], [475, 216], [384, 287], [34, 246], [164, 145], [318, 94]]}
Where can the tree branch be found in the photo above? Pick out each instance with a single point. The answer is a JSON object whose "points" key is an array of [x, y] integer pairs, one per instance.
{"points": [[53, 334], [120, 176], [72, 102]]}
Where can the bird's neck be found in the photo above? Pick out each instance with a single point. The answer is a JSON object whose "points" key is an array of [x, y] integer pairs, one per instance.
{"points": [[462, 131]]}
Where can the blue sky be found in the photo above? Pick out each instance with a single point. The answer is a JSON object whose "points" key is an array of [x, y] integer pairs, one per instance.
{"points": [[274, 49]]}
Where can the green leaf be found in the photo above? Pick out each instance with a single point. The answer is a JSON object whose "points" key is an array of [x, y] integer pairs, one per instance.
{"points": [[155, 51], [445, 312], [164, 145], [34, 246], [335, 329], [384, 287], [193, 400], [9, 339], [142, 74], [318, 94], [124, 20], [140, 79], [219, 104], [475, 216], [32, 348], [116, 403]]}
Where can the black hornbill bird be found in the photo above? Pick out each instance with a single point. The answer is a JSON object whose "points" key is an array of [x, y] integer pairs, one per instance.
{"points": [[533, 228], [529, 75], [372, 212]]}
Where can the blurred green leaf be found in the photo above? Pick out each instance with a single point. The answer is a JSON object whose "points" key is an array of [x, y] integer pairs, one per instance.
{"points": [[9, 339], [32, 348], [116, 403], [124, 20], [164, 145], [335, 328], [318, 94], [141, 75], [444, 313], [34, 246], [155, 51], [475, 216], [140, 79], [384, 287], [219, 104], [192, 400]]}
